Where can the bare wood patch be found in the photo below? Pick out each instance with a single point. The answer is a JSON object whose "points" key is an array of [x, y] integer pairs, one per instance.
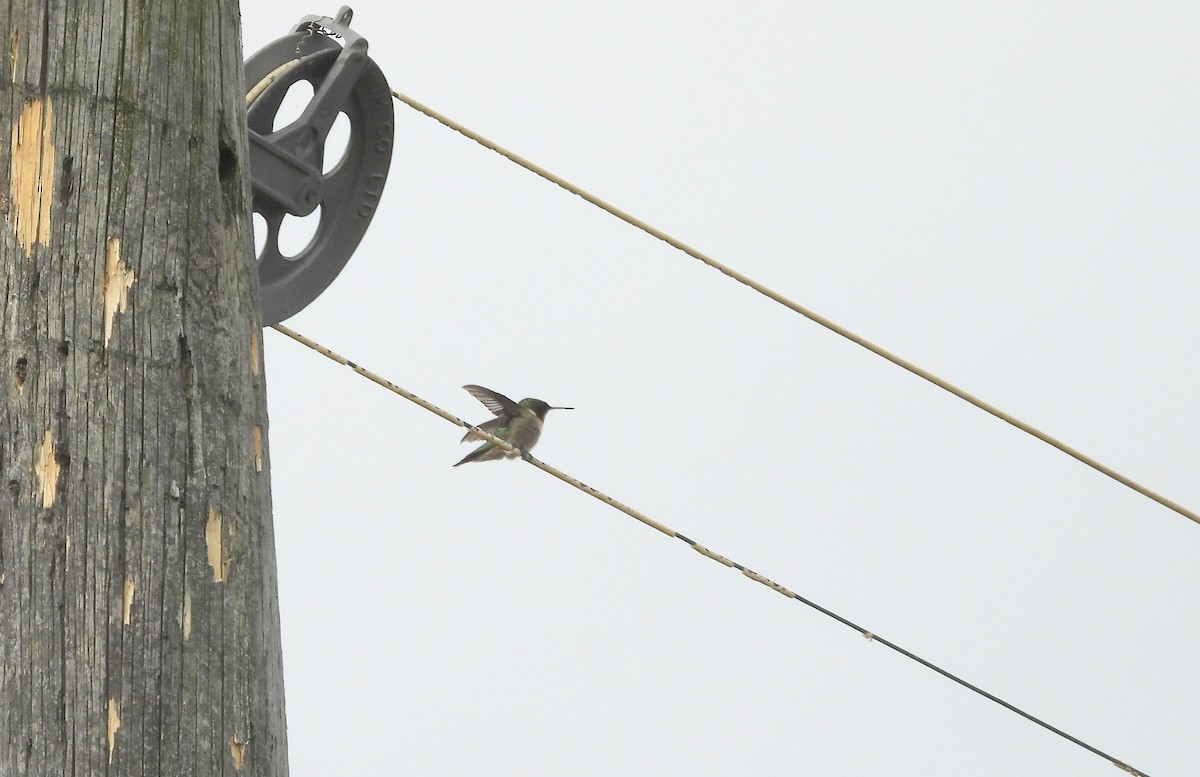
{"points": [[254, 353], [185, 618], [237, 748], [258, 463], [127, 601], [67, 553], [114, 723], [31, 173], [213, 541], [46, 468], [118, 279]]}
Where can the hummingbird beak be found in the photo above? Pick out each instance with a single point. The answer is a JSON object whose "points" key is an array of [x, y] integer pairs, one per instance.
{"points": [[562, 408]]}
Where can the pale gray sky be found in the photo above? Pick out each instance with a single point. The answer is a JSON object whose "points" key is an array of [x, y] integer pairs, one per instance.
{"points": [[1005, 193]]}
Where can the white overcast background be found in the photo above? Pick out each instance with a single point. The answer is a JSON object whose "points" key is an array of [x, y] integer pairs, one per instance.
{"points": [[1006, 194]]}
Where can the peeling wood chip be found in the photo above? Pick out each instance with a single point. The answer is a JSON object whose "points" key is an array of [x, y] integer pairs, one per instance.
{"points": [[237, 748], [258, 464], [46, 468], [31, 173], [127, 601], [67, 553], [212, 539], [14, 44], [114, 723], [118, 279]]}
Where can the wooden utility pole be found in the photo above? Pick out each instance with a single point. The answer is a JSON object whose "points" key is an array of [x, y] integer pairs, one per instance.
{"points": [[139, 619]]}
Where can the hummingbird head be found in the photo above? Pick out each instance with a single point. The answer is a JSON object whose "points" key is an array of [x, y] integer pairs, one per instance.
{"points": [[540, 408]]}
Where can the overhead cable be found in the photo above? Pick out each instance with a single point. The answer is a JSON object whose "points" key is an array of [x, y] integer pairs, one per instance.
{"points": [[668, 531], [794, 306]]}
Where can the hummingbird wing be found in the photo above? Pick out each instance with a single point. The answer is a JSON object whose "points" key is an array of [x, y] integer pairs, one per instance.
{"points": [[498, 403], [491, 427]]}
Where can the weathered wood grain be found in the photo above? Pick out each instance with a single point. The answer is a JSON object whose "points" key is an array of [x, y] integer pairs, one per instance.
{"points": [[139, 622]]}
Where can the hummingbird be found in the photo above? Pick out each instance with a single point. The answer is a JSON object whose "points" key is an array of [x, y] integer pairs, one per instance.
{"points": [[519, 423]]}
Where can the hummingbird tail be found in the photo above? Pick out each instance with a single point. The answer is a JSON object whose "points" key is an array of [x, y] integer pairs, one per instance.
{"points": [[475, 454]]}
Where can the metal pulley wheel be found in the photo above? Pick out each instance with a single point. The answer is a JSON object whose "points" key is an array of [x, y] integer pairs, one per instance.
{"points": [[287, 164]]}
